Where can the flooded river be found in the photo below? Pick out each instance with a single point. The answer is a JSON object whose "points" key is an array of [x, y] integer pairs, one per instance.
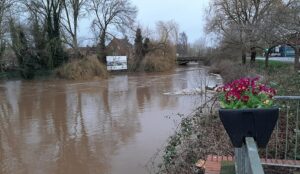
{"points": [[111, 126]]}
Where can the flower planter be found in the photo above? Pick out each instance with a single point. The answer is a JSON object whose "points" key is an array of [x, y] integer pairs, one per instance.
{"points": [[256, 123]]}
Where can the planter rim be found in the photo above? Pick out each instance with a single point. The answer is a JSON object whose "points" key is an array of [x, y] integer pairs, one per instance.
{"points": [[248, 109]]}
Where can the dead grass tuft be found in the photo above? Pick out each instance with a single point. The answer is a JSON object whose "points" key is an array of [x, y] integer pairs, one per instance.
{"points": [[83, 69], [157, 63], [230, 70], [163, 59]]}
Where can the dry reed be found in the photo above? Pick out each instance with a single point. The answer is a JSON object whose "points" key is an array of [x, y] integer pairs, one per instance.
{"points": [[83, 69]]}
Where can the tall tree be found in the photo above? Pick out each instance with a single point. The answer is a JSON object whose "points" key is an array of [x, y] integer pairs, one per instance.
{"points": [[5, 8], [167, 31], [167, 35], [51, 16], [290, 23], [182, 45], [110, 15], [138, 44], [281, 28], [73, 9], [239, 21], [26, 61], [141, 48]]}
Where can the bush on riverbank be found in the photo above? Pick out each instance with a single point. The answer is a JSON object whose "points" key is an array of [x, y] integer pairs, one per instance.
{"points": [[160, 57], [230, 70], [83, 69], [158, 63]]}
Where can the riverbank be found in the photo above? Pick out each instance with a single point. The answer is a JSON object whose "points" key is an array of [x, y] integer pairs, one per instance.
{"points": [[89, 68], [201, 133], [16, 75]]}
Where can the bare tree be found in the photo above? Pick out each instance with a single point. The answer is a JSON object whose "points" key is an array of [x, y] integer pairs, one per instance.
{"points": [[167, 31], [290, 23], [198, 48], [5, 8], [110, 15], [282, 28], [239, 21], [73, 9], [182, 44], [167, 37]]}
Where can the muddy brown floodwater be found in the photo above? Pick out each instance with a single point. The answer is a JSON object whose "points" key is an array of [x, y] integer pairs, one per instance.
{"points": [[111, 126]]}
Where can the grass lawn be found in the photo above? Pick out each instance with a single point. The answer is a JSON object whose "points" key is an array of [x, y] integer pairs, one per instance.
{"points": [[227, 167], [274, 66]]}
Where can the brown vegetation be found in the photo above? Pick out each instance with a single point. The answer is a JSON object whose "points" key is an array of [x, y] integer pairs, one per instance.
{"points": [[230, 70], [155, 54], [82, 69], [160, 60], [199, 134]]}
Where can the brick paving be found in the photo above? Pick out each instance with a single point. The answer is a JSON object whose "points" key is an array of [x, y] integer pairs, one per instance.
{"points": [[213, 163]]}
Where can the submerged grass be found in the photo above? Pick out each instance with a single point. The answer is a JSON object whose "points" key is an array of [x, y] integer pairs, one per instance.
{"points": [[83, 69]]}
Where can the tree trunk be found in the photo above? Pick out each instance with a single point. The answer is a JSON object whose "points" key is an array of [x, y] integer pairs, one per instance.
{"points": [[102, 48], [267, 59], [244, 57], [77, 53], [75, 41], [253, 55], [297, 64]]}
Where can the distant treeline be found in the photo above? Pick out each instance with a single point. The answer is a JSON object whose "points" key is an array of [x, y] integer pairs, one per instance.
{"points": [[43, 35]]}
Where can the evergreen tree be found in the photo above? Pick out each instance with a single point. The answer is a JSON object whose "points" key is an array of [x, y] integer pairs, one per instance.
{"points": [[26, 60], [138, 44], [146, 46], [138, 49]]}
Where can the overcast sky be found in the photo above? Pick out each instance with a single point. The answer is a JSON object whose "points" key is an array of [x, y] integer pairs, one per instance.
{"points": [[189, 14]]}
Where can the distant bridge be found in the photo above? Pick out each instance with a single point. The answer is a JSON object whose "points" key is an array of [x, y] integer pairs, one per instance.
{"points": [[182, 60]]}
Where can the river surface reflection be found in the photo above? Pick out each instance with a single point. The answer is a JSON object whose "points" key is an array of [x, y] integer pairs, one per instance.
{"points": [[110, 126]]}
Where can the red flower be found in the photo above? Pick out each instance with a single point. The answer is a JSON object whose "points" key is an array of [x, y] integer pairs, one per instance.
{"points": [[243, 90], [245, 98]]}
